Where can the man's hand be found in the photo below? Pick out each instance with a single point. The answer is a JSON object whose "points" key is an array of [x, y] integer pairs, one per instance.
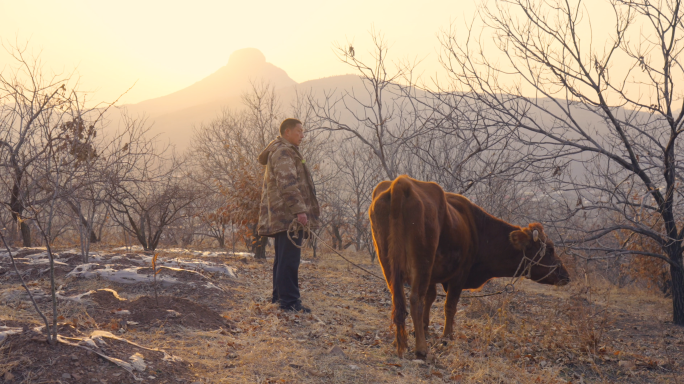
{"points": [[301, 217]]}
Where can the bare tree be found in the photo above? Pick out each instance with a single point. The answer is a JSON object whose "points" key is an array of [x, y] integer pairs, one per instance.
{"points": [[358, 175], [28, 101], [66, 137], [147, 187], [608, 106], [375, 113], [225, 152]]}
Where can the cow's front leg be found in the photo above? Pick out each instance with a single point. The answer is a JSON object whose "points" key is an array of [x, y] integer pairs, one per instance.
{"points": [[452, 296], [429, 299]]}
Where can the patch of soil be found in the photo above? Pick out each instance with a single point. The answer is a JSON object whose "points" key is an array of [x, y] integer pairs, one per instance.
{"points": [[107, 298], [145, 311], [27, 357], [176, 310]]}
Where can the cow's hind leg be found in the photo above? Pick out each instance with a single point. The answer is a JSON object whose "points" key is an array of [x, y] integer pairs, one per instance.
{"points": [[453, 294], [429, 299], [419, 289]]}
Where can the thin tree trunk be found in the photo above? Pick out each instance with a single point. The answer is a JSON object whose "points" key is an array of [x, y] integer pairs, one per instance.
{"points": [[677, 275], [17, 208], [259, 244], [232, 231], [53, 289], [260, 247], [25, 234], [84, 222]]}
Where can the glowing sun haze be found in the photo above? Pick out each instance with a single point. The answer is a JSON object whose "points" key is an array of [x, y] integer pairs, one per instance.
{"points": [[167, 45]]}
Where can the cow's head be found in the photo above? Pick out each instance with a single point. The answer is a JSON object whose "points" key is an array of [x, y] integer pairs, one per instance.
{"points": [[539, 261]]}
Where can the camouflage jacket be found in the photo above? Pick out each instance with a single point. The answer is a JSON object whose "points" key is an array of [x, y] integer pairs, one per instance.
{"points": [[288, 188]]}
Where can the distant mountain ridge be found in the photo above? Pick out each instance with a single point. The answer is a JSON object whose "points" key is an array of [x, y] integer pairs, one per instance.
{"points": [[174, 115]]}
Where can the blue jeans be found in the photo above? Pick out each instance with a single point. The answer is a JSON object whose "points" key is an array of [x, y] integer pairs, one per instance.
{"points": [[286, 270]]}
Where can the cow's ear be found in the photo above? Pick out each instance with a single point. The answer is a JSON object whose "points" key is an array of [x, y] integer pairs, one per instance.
{"points": [[519, 239]]}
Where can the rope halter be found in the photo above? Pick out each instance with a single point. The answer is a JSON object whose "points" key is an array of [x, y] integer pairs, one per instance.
{"points": [[526, 263]]}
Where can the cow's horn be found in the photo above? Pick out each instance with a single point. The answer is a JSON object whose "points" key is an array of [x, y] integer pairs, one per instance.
{"points": [[535, 235]]}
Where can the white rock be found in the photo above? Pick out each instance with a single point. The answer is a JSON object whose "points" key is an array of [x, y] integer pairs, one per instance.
{"points": [[122, 312], [6, 331], [138, 362], [200, 265], [133, 248], [172, 314]]}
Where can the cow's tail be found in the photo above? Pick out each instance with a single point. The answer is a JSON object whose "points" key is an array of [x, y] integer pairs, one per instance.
{"points": [[397, 256]]}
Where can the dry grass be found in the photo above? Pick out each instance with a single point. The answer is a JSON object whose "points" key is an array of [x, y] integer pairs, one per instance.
{"points": [[587, 332]]}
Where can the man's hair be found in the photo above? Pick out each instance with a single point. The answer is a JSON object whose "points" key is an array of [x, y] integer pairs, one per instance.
{"points": [[288, 123]]}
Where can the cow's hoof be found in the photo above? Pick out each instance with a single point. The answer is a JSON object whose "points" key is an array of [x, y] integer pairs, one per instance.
{"points": [[444, 343], [421, 355]]}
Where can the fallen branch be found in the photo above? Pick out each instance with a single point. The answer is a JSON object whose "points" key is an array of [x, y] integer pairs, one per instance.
{"points": [[95, 338]]}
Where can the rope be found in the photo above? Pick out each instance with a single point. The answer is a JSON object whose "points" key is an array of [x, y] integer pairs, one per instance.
{"points": [[296, 227], [526, 263]]}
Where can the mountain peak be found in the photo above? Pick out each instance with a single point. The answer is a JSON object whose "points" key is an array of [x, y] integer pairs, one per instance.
{"points": [[244, 67], [246, 57]]}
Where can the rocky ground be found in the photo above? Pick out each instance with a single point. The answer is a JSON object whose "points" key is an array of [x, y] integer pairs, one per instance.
{"points": [[211, 321]]}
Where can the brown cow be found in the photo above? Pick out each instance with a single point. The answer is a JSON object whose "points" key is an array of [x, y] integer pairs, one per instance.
{"points": [[426, 236]]}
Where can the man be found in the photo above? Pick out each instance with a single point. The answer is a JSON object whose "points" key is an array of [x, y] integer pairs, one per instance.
{"points": [[288, 193]]}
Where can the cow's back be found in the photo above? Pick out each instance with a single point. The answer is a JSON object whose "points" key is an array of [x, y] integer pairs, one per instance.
{"points": [[433, 219], [422, 210]]}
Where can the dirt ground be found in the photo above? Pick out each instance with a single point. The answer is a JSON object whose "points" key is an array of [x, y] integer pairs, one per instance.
{"points": [[229, 332]]}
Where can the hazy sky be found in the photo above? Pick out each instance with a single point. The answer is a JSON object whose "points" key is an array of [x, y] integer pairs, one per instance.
{"points": [[167, 45]]}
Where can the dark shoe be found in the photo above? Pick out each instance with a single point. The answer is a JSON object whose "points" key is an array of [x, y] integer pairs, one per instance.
{"points": [[296, 308]]}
